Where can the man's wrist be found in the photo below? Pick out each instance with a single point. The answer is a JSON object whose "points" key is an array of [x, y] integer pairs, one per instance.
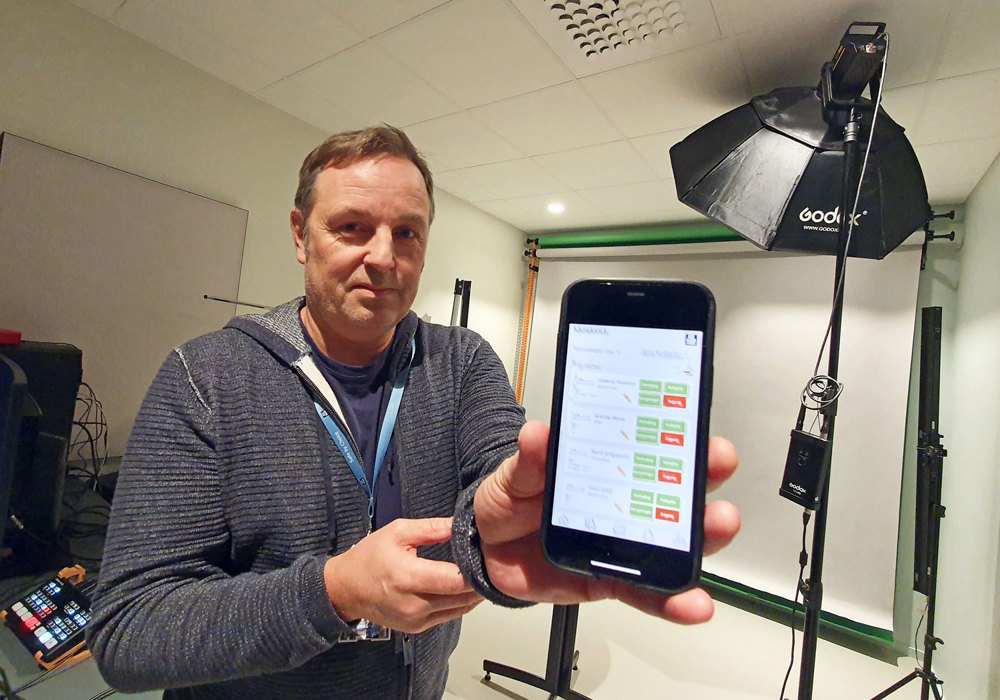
{"points": [[335, 592]]}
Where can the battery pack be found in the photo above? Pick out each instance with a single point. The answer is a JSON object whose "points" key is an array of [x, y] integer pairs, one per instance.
{"points": [[805, 469]]}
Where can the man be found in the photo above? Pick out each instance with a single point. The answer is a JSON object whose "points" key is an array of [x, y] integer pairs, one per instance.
{"points": [[284, 472]]}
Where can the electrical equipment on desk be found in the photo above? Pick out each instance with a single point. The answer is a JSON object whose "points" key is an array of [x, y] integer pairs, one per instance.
{"points": [[49, 620]]}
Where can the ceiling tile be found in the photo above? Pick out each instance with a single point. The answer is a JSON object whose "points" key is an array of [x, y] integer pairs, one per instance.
{"points": [[906, 106], [944, 120], [513, 178], [388, 92], [175, 28], [419, 63], [614, 163], [655, 150], [291, 97], [776, 57], [640, 203], [737, 16], [372, 17], [101, 8], [475, 51], [952, 170], [971, 44], [684, 89], [506, 211], [916, 31], [551, 119], [455, 183], [285, 35], [578, 212], [459, 141]]}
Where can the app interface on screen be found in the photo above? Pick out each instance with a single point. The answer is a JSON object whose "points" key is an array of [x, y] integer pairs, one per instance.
{"points": [[627, 433]]}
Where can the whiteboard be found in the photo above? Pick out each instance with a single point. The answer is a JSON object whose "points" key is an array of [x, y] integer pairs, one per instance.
{"points": [[113, 263], [772, 313]]}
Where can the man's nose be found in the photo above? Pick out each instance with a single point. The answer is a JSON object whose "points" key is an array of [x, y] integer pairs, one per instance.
{"points": [[380, 254]]}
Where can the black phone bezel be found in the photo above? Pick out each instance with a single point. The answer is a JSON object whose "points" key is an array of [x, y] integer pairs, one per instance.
{"points": [[638, 303]]}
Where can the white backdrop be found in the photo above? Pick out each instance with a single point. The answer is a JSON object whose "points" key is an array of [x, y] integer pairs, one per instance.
{"points": [[772, 313]]}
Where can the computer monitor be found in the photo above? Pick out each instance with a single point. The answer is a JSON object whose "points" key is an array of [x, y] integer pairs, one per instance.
{"points": [[13, 390], [37, 473]]}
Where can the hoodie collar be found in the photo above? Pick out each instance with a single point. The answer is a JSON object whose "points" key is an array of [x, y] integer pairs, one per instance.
{"points": [[280, 331]]}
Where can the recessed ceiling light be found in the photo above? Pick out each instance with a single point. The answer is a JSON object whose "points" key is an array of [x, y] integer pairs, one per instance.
{"points": [[556, 208]]}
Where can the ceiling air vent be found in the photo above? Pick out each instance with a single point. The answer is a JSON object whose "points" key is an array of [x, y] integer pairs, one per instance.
{"points": [[598, 27], [591, 36]]}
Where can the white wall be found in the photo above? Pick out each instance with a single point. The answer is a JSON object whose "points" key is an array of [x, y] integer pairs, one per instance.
{"points": [[72, 81], [968, 612], [470, 245]]}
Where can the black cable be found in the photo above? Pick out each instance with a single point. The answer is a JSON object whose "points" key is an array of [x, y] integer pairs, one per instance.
{"points": [[6, 693], [43, 676], [803, 559], [839, 289], [838, 292], [95, 442]]}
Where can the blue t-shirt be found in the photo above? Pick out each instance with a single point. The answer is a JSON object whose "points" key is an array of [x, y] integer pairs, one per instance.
{"points": [[363, 393]]}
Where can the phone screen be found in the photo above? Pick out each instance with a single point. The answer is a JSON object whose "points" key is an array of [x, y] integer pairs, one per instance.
{"points": [[627, 453], [628, 434]]}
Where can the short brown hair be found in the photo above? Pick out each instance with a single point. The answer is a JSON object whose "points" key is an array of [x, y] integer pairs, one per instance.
{"points": [[349, 147]]}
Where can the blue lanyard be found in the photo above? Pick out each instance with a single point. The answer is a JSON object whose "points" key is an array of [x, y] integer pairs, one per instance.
{"points": [[384, 435]]}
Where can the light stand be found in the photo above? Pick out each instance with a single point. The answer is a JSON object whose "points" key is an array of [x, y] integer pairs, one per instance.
{"points": [[769, 170], [812, 587]]}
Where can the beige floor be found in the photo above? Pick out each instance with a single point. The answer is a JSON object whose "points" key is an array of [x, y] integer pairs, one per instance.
{"points": [[623, 656], [626, 656]]}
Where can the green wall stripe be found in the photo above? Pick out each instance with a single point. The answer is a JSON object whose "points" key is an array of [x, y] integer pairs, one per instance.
{"points": [[776, 603], [595, 239]]}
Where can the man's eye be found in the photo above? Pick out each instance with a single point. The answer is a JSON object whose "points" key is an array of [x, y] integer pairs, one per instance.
{"points": [[406, 233]]}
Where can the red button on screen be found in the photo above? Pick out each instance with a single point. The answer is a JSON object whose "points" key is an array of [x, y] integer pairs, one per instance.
{"points": [[671, 515], [675, 401], [672, 439]]}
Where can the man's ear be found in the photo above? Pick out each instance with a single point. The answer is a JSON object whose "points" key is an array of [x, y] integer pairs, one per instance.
{"points": [[299, 235]]}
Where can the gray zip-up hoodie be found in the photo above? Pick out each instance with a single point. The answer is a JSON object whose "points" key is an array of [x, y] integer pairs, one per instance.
{"points": [[232, 495]]}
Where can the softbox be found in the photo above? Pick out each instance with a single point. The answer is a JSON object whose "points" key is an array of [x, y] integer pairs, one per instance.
{"points": [[772, 170]]}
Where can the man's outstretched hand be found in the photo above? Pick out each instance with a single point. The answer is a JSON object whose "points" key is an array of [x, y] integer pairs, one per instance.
{"points": [[508, 508]]}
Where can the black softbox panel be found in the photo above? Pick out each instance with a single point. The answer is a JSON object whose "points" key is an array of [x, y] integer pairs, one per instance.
{"points": [[772, 170]]}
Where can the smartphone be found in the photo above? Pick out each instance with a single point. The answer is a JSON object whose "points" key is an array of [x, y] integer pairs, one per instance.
{"points": [[628, 442]]}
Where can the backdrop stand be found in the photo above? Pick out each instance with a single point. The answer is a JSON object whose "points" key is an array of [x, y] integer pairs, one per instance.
{"points": [[929, 511], [559, 665]]}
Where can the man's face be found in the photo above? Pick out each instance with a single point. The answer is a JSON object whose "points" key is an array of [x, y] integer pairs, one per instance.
{"points": [[363, 249]]}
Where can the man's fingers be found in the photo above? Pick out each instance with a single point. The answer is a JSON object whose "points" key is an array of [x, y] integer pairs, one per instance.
{"points": [[429, 578], [509, 503], [688, 608], [416, 533], [523, 475], [443, 616], [722, 461], [722, 522]]}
